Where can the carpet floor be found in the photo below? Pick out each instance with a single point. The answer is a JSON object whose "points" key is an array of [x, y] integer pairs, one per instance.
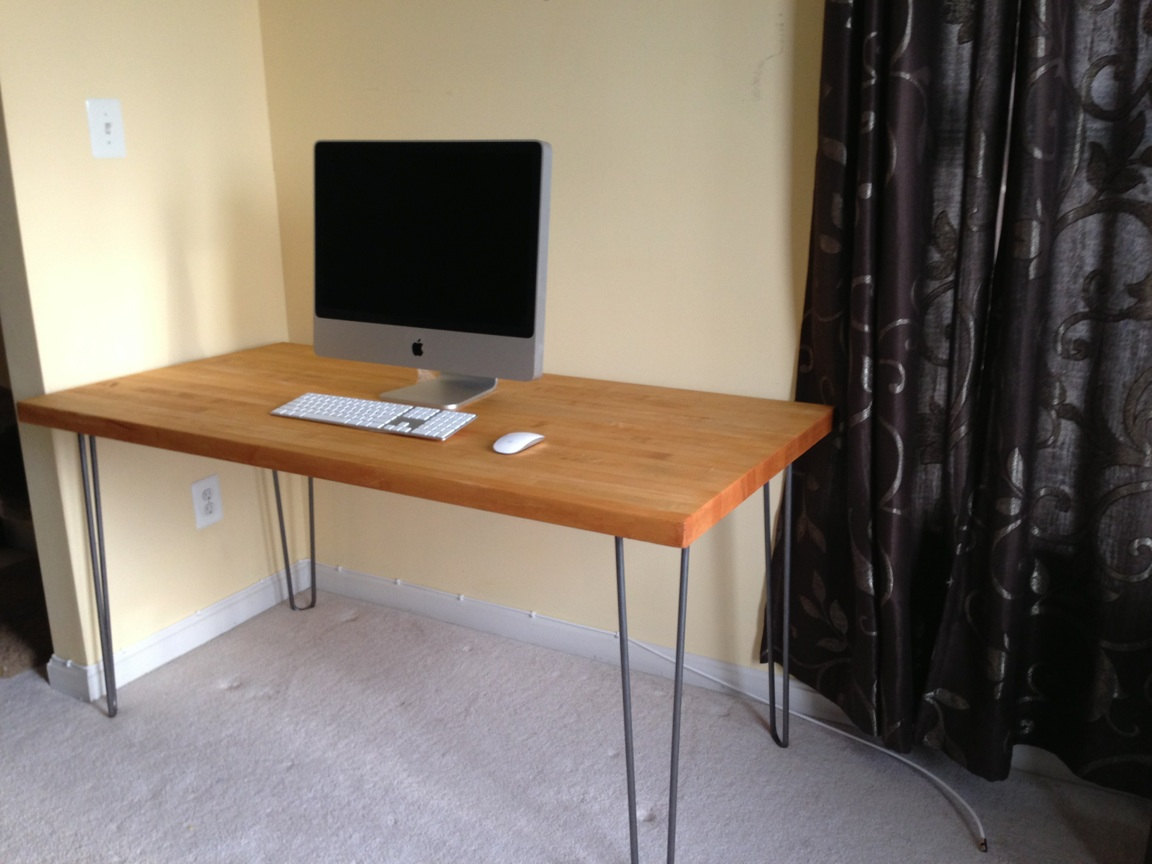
{"points": [[357, 733]]}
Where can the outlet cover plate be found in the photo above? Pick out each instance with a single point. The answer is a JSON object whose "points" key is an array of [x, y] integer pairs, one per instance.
{"points": [[106, 128], [206, 501]]}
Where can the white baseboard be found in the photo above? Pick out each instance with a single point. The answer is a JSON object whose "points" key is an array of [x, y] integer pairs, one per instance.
{"points": [[569, 638], [87, 682]]}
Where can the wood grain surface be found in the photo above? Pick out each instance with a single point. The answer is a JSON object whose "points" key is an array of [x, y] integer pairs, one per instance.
{"points": [[646, 463]]}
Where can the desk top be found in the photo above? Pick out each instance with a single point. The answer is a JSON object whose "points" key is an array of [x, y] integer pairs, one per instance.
{"points": [[646, 463]]}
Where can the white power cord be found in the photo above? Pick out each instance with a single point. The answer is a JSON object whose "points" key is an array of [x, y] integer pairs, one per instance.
{"points": [[982, 837]]}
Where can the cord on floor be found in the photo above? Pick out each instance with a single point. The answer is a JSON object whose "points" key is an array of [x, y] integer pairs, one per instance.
{"points": [[982, 837]]}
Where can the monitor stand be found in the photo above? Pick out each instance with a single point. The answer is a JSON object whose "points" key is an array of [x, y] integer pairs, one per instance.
{"points": [[442, 391]]}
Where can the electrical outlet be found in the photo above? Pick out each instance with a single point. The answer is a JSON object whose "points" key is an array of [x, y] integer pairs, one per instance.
{"points": [[206, 501]]}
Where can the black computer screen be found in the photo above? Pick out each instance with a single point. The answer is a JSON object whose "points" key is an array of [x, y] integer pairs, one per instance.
{"points": [[433, 234]]}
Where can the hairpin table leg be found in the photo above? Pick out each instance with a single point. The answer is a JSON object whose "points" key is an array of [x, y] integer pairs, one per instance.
{"points": [[677, 704], [626, 690], [778, 727], [90, 471], [284, 543]]}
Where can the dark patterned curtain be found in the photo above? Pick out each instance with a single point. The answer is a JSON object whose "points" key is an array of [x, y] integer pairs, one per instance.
{"points": [[973, 545]]}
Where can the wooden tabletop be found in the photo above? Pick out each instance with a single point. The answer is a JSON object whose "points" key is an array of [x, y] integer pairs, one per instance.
{"points": [[645, 463]]}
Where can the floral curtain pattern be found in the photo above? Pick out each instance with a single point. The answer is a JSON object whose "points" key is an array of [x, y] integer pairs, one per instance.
{"points": [[972, 547]]}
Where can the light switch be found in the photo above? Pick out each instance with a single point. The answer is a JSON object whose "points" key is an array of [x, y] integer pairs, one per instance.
{"points": [[106, 128]]}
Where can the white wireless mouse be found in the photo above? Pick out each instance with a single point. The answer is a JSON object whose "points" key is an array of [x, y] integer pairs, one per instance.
{"points": [[514, 442]]}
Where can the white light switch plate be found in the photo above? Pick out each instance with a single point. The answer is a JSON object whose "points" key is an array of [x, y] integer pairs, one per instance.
{"points": [[106, 128]]}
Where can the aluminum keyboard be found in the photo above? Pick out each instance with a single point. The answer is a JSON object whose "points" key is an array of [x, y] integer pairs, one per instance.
{"points": [[394, 418]]}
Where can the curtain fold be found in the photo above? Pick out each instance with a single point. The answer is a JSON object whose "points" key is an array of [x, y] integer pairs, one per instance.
{"points": [[972, 547]]}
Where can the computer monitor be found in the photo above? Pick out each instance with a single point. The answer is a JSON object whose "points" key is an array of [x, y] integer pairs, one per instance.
{"points": [[433, 255]]}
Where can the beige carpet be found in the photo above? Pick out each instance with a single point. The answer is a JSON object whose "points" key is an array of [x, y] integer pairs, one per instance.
{"points": [[355, 733]]}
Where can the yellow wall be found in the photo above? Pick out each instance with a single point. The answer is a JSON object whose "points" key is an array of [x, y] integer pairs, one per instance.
{"points": [[168, 254], [683, 135]]}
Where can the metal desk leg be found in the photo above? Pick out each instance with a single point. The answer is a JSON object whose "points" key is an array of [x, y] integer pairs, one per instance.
{"points": [[626, 689], [284, 543], [677, 702], [90, 472], [778, 727]]}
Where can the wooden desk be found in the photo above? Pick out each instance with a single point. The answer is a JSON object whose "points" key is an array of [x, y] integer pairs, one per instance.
{"points": [[635, 462]]}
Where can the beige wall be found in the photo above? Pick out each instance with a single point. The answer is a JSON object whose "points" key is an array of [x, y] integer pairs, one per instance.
{"points": [[682, 135], [132, 263]]}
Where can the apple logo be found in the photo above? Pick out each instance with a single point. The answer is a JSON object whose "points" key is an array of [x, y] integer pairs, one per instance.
{"points": [[418, 348]]}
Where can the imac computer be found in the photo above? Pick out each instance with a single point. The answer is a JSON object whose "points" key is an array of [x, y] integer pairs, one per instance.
{"points": [[433, 255]]}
